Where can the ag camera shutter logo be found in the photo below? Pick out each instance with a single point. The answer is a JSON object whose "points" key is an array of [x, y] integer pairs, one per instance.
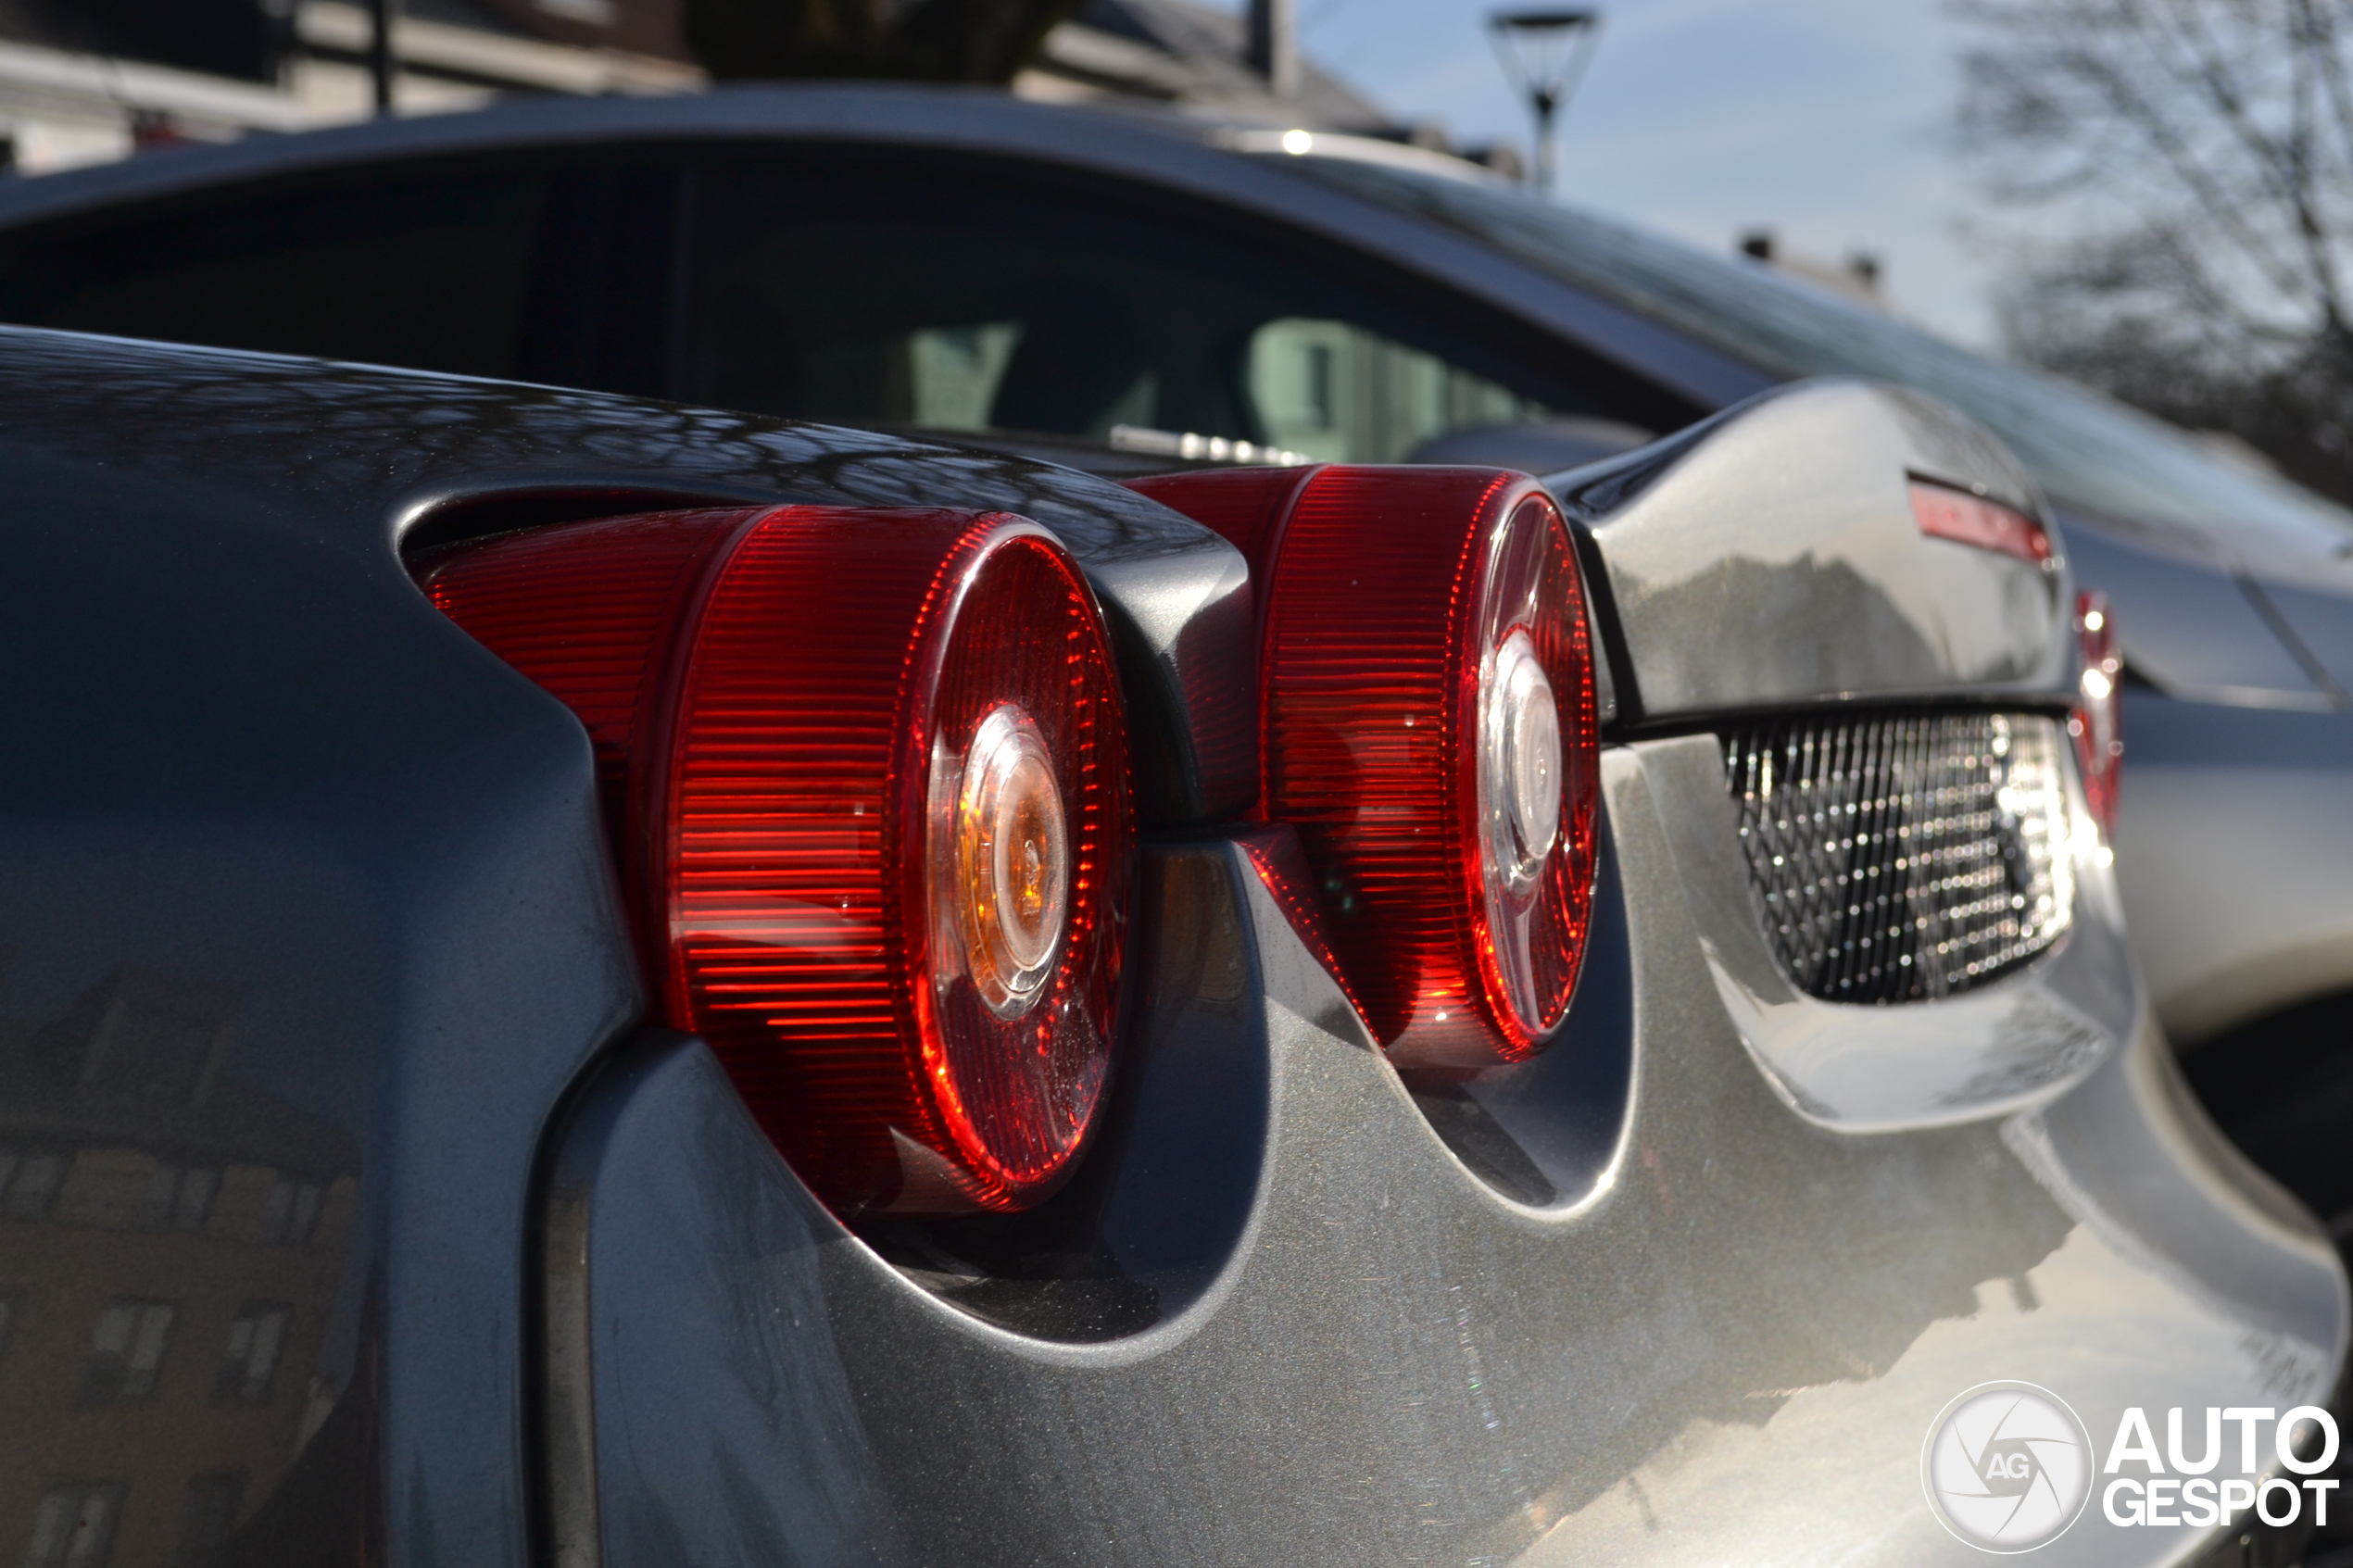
{"points": [[2007, 1467]]}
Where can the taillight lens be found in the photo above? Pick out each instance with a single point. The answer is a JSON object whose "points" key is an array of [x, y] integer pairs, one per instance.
{"points": [[867, 771], [1428, 727], [2097, 722]]}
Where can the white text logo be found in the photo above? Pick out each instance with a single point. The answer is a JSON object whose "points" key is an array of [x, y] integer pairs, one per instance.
{"points": [[2177, 1488]]}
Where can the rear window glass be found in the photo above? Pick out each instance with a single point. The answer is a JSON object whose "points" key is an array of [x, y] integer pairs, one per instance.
{"points": [[2085, 450], [428, 272], [869, 292]]}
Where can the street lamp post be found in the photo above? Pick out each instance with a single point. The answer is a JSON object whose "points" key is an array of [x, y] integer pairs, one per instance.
{"points": [[1545, 54], [382, 64], [1274, 46]]}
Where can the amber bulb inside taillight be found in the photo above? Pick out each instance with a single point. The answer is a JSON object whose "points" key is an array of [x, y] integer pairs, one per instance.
{"points": [[1001, 863], [867, 772]]}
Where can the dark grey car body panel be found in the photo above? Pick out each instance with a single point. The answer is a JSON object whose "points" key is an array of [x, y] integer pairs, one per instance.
{"points": [[1771, 558], [269, 813], [576, 1307], [2201, 634], [1733, 1343]]}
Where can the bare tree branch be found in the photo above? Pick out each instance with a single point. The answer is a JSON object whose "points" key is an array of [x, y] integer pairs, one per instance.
{"points": [[2184, 172]]}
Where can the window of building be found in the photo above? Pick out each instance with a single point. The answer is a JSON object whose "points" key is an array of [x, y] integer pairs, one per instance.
{"points": [[208, 1519], [74, 1525], [29, 1180], [254, 1340], [127, 1353], [156, 1038], [7, 1317], [290, 1210], [178, 1197]]}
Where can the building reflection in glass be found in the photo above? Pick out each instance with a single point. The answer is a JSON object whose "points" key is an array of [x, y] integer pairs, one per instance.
{"points": [[170, 1243]]}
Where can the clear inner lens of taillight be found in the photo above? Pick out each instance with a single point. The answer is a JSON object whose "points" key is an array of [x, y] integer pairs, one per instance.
{"points": [[2097, 723], [1530, 933], [867, 775], [1519, 773]]}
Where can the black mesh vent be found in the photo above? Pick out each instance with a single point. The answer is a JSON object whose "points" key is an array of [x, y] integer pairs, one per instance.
{"points": [[1900, 858]]}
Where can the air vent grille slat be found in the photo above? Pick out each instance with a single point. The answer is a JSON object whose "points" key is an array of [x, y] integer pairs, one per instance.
{"points": [[1900, 858]]}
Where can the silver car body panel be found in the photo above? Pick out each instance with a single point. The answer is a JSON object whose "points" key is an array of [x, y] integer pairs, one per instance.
{"points": [[1749, 1316], [1771, 558], [2234, 860], [2200, 632], [1878, 1069]]}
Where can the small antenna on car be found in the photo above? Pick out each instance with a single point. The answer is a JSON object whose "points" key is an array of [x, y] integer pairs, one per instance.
{"points": [[1545, 53]]}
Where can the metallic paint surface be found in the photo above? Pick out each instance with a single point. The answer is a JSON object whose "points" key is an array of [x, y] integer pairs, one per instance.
{"points": [[300, 883], [268, 814], [2318, 621], [268, 811], [2235, 854], [2190, 628], [1771, 558], [2237, 908], [1729, 1350]]}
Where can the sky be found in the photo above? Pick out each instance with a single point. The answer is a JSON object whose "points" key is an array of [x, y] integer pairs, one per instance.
{"points": [[1820, 119]]}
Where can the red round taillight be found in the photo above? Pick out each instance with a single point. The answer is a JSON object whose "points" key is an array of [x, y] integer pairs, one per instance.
{"points": [[867, 771], [1430, 728], [2097, 722]]}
